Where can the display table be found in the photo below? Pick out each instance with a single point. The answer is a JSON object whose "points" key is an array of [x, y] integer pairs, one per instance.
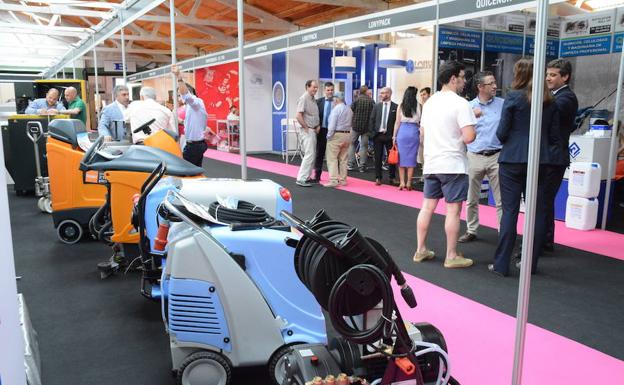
{"points": [[229, 136]]}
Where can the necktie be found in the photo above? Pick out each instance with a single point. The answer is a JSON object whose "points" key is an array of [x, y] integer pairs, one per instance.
{"points": [[384, 117], [326, 112]]}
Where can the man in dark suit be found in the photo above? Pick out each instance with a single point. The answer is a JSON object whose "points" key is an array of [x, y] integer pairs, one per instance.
{"points": [[381, 129], [558, 74], [324, 107]]}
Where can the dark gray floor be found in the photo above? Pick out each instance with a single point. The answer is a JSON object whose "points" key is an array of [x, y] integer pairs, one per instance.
{"points": [[103, 332]]}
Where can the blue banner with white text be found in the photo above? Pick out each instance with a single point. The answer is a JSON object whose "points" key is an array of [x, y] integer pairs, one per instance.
{"points": [[460, 39], [594, 45]]}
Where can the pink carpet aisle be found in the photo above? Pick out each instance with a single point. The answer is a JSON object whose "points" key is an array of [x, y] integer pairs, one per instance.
{"points": [[481, 339]]}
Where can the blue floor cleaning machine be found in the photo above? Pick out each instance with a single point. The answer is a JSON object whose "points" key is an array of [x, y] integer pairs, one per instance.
{"points": [[231, 293], [349, 275], [268, 197]]}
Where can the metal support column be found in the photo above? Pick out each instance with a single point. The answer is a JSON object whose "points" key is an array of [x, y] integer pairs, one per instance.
{"points": [[241, 89], [286, 93], [334, 54], [123, 49], [174, 61], [537, 99], [96, 99], [436, 42], [482, 57], [74, 69], [614, 142]]}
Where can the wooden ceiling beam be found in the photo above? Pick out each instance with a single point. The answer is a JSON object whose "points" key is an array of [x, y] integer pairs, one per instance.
{"points": [[215, 23], [375, 5], [264, 16]]}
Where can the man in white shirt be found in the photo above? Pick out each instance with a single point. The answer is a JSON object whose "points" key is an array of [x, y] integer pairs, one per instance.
{"points": [[448, 123], [141, 111]]}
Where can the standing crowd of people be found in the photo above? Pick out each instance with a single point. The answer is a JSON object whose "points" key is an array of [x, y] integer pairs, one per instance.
{"points": [[459, 143]]}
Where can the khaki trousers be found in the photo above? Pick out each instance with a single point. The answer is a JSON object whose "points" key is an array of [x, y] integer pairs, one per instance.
{"points": [[336, 153], [480, 166]]}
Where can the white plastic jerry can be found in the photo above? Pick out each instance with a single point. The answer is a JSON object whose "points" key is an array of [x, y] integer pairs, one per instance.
{"points": [[584, 179], [581, 213]]}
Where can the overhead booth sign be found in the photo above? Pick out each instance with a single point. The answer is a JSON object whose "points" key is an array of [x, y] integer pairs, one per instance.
{"points": [[589, 34]]}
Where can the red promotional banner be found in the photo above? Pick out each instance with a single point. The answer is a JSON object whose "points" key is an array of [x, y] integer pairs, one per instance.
{"points": [[218, 87]]}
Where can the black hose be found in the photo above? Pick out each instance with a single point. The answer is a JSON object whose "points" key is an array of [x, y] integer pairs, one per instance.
{"points": [[245, 212], [341, 293]]}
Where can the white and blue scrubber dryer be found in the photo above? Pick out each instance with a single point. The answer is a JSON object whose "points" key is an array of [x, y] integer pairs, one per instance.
{"points": [[231, 297]]}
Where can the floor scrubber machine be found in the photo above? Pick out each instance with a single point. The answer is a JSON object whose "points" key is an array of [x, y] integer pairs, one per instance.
{"points": [[123, 175], [349, 275], [268, 197], [231, 303], [73, 198]]}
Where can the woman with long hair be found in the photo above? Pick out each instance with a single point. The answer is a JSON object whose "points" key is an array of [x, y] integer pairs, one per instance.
{"points": [[407, 136], [513, 133]]}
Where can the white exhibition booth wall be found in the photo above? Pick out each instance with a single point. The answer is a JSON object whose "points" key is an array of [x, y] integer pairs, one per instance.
{"points": [[12, 370]]}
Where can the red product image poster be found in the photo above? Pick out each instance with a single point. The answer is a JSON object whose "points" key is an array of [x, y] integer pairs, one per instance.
{"points": [[218, 87]]}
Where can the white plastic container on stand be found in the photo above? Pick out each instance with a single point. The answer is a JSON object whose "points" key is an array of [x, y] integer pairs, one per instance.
{"points": [[584, 179], [581, 213]]}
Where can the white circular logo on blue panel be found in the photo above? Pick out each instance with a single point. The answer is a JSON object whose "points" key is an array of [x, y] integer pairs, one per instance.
{"points": [[278, 95]]}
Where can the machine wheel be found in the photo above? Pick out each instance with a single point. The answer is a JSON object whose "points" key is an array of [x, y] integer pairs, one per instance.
{"points": [[277, 366], [47, 205], [69, 231], [205, 368]]}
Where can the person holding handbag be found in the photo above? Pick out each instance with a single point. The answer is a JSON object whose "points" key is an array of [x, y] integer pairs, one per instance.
{"points": [[407, 136]]}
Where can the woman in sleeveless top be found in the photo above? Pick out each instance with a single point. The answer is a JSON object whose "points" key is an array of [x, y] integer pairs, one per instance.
{"points": [[407, 136]]}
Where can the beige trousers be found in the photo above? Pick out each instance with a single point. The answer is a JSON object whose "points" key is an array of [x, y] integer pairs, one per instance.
{"points": [[480, 166], [336, 153]]}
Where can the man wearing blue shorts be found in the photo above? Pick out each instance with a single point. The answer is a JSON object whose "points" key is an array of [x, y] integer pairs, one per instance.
{"points": [[448, 124]]}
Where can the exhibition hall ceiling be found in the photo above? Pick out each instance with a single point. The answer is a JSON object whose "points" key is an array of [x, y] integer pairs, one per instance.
{"points": [[38, 32]]}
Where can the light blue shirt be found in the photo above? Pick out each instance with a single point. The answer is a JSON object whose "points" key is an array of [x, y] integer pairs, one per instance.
{"points": [[326, 112], [196, 117], [38, 104], [487, 124], [339, 119]]}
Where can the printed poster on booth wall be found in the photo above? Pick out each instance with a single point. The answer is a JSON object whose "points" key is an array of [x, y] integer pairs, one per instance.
{"points": [[506, 23], [217, 86], [619, 30], [587, 34], [587, 25]]}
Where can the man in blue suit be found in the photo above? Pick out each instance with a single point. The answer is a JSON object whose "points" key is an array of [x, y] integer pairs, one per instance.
{"points": [[558, 75], [111, 125]]}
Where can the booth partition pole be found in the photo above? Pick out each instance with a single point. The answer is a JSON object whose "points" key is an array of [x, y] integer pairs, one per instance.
{"points": [[537, 99], [482, 64], [74, 69], [286, 93], [173, 62], [96, 99], [614, 142], [334, 53], [436, 42], [123, 49], [242, 142]]}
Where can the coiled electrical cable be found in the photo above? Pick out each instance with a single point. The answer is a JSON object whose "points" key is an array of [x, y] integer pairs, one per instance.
{"points": [[245, 212]]}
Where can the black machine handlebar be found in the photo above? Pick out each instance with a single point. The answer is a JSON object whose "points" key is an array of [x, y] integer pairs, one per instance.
{"points": [[88, 156], [145, 127]]}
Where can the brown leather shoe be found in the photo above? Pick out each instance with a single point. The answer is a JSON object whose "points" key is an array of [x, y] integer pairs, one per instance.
{"points": [[377, 182], [468, 237]]}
